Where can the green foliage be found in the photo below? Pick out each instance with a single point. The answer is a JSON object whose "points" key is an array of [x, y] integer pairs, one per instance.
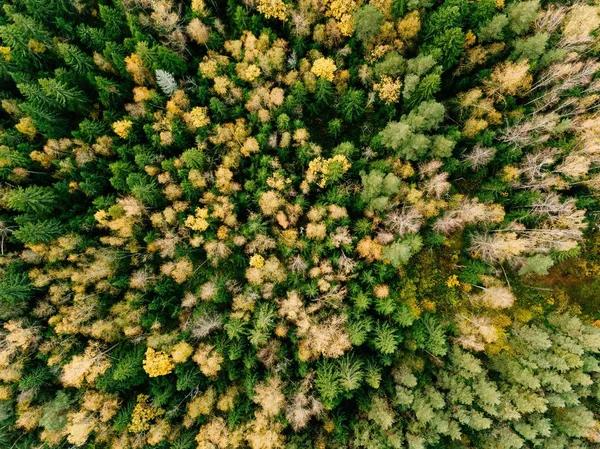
{"points": [[392, 65], [377, 188], [537, 264], [33, 199], [385, 338], [406, 136], [144, 188], [39, 231], [328, 382], [127, 371], [521, 15], [493, 28], [75, 58], [350, 373], [352, 105], [61, 95], [430, 336], [531, 48], [367, 22], [54, 415], [400, 252], [15, 291]]}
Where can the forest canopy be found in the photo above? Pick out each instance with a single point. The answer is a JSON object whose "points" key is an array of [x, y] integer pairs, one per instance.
{"points": [[276, 224]]}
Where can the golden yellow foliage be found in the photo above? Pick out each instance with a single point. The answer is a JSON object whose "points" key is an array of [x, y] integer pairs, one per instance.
{"points": [[510, 173], [135, 66], [227, 400], [106, 405], [36, 46], [343, 12], [247, 72], [79, 427], [157, 363], [272, 9], [388, 89], [316, 231], [409, 26], [198, 6], [250, 146], [196, 118], [216, 435], [257, 261], [270, 202], [580, 22], [27, 127], [198, 221], [143, 413], [28, 417], [452, 281], [202, 404], [511, 78], [122, 128], [470, 39], [319, 169], [85, 367], [180, 271], [264, 433], [381, 291], [5, 53], [198, 31], [5, 392], [474, 126], [324, 68]]}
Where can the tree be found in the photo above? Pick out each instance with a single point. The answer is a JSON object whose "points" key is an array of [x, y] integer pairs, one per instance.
{"points": [[352, 105], [54, 415], [430, 336], [538, 264], [393, 65], [327, 382], [367, 22], [43, 231], [399, 253], [166, 82], [378, 188], [406, 138], [15, 292], [32, 199], [493, 28], [385, 339], [521, 15], [530, 48]]}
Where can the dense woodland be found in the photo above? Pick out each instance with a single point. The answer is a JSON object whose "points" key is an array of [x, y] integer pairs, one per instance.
{"points": [[304, 224]]}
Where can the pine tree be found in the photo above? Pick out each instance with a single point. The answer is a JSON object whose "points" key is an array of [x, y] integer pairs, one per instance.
{"points": [[327, 382], [62, 95], [75, 58], [430, 336], [350, 372], [166, 82], [385, 338], [32, 199], [43, 231], [15, 291], [352, 105]]}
